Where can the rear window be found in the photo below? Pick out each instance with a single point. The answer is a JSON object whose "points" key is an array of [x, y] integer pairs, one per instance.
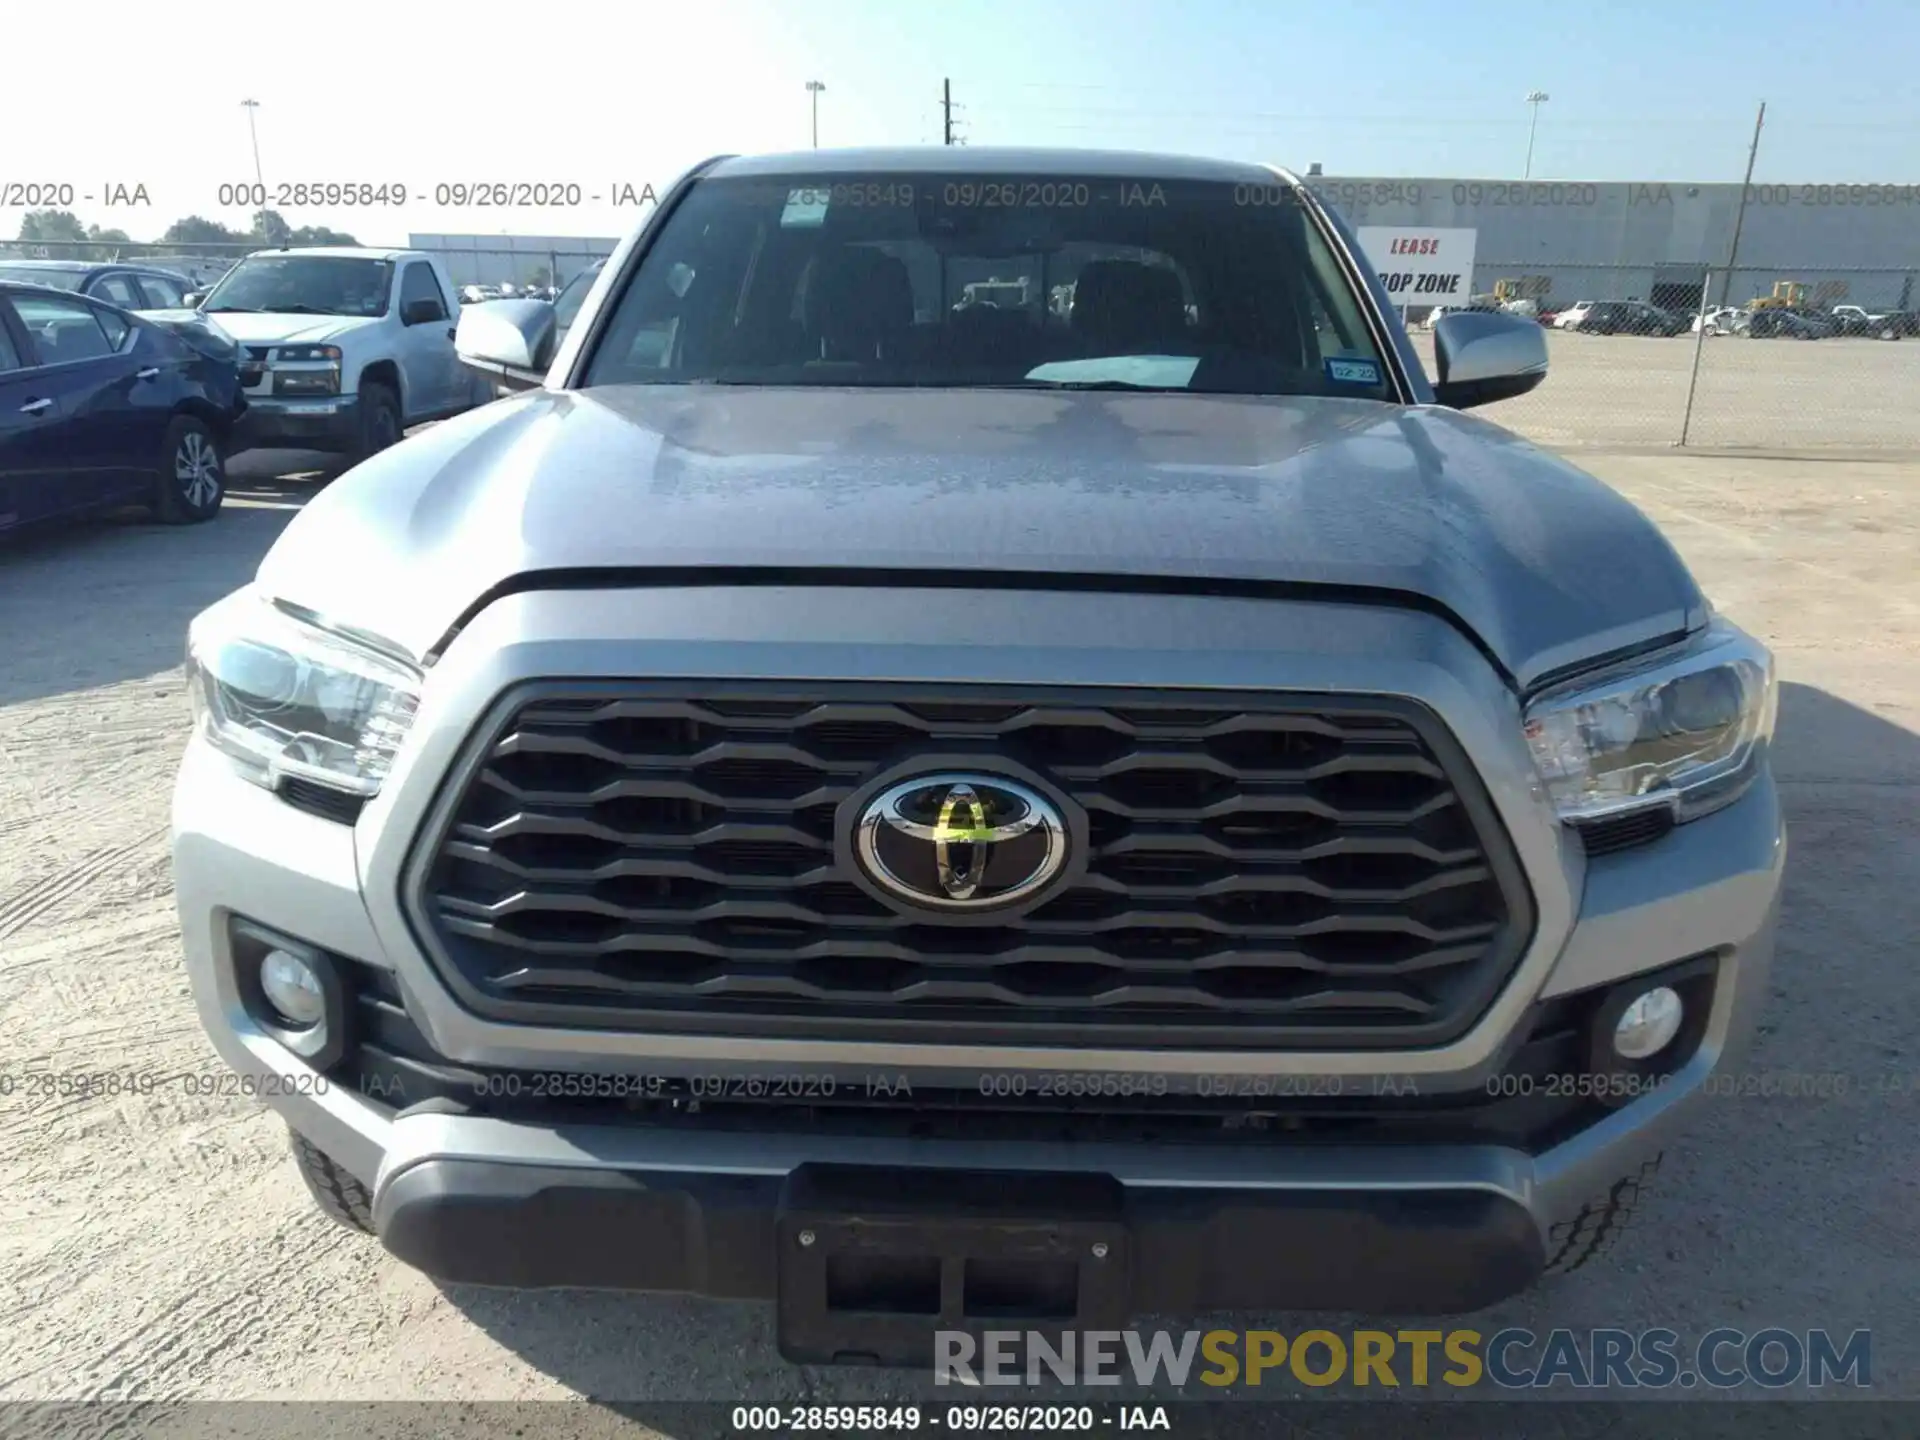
{"points": [[163, 292], [928, 280], [116, 290]]}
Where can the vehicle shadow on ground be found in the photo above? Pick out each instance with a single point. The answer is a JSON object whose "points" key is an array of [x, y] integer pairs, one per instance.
{"points": [[96, 601], [1772, 1209]]}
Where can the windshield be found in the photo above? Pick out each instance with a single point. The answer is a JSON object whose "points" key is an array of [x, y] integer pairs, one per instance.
{"points": [[304, 285], [912, 279], [34, 275], [567, 307]]}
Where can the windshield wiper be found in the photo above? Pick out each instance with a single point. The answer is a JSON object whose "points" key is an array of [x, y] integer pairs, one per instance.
{"points": [[229, 310], [297, 310]]}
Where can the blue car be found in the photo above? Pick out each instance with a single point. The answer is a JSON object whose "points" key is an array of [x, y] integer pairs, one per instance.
{"points": [[101, 408], [131, 287]]}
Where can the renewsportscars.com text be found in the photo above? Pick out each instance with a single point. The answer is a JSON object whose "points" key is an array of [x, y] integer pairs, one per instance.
{"points": [[1514, 1359]]}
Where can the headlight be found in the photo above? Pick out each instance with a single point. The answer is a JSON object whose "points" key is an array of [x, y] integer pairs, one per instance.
{"points": [[306, 382], [1687, 728], [284, 697]]}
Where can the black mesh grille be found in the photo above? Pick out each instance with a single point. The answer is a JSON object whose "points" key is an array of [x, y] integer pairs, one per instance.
{"points": [[1261, 870], [1604, 837], [321, 800]]}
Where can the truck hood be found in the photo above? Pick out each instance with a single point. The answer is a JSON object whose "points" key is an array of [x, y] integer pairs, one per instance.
{"points": [[270, 329], [1545, 565]]}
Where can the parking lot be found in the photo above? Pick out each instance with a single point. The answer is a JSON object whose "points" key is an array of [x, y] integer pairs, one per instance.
{"points": [[1624, 390], [162, 1247]]}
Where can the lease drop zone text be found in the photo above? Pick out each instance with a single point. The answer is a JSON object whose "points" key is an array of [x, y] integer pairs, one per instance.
{"points": [[1421, 284]]}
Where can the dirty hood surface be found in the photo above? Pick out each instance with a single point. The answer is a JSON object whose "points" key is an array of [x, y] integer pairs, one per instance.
{"points": [[1543, 563]]}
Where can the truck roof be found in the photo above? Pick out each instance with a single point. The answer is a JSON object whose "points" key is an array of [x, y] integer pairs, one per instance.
{"points": [[1000, 160]]}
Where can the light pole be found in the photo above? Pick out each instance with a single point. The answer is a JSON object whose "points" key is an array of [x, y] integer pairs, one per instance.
{"points": [[250, 106], [1535, 98], [815, 87]]}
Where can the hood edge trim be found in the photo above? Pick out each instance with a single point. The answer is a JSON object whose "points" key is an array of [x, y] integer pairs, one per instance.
{"points": [[666, 577]]}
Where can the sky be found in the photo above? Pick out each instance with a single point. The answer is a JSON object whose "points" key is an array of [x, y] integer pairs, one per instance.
{"points": [[604, 95]]}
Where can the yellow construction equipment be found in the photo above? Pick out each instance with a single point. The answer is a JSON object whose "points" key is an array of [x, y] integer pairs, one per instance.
{"points": [[1524, 287], [1787, 295]]}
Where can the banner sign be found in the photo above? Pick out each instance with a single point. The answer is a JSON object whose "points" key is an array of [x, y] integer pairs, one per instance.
{"points": [[1421, 264]]}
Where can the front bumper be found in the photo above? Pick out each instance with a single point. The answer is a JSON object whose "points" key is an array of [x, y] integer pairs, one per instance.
{"points": [[1137, 1238], [1248, 1221], [331, 425]]}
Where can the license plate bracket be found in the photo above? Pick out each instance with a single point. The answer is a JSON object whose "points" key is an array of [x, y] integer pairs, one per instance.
{"points": [[873, 1262]]}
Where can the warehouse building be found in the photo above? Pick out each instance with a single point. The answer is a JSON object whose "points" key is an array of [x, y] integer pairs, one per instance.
{"points": [[1569, 240]]}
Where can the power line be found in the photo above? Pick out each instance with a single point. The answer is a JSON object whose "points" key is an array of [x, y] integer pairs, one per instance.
{"points": [[1418, 121]]}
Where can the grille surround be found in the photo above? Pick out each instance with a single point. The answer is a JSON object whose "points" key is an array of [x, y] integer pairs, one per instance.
{"points": [[1064, 1021]]}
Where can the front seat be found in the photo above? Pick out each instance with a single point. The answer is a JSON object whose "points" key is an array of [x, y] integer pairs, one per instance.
{"points": [[1122, 307], [860, 306]]}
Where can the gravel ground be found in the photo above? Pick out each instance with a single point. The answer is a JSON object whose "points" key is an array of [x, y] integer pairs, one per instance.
{"points": [[1626, 390], [161, 1248]]}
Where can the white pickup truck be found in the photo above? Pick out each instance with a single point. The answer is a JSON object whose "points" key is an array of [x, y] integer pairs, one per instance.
{"points": [[1858, 321], [343, 348]]}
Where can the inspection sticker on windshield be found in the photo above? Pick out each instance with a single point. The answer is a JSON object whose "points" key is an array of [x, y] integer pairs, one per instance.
{"points": [[805, 208], [1353, 372]]}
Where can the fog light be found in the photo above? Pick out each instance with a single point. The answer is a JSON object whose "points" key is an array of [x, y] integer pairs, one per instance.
{"points": [[293, 989], [1648, 1025]]}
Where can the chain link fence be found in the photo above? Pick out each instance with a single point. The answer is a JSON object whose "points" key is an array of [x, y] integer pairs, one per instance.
{"points": [[1772, 357], [199, 264], [522, 263], [1719, 315]]}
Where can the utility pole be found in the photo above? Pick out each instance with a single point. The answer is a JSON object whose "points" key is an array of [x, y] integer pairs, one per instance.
{"points": [[815, 88], [250, 106], [948, 135], [1535, 98], [1726, 285]]}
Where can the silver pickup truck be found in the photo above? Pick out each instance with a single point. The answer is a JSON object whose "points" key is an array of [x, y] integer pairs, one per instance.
{"points": [[928, 815]]}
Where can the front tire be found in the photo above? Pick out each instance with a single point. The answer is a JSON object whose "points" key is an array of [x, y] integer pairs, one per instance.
{"points": [[1601, 1223], [191, 481], [380, 426], [339, 1195]]}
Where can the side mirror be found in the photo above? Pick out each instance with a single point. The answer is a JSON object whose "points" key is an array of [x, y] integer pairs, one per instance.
{"points": [[191, 300], [1482, 356], [422, 312], [511, 340]]}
